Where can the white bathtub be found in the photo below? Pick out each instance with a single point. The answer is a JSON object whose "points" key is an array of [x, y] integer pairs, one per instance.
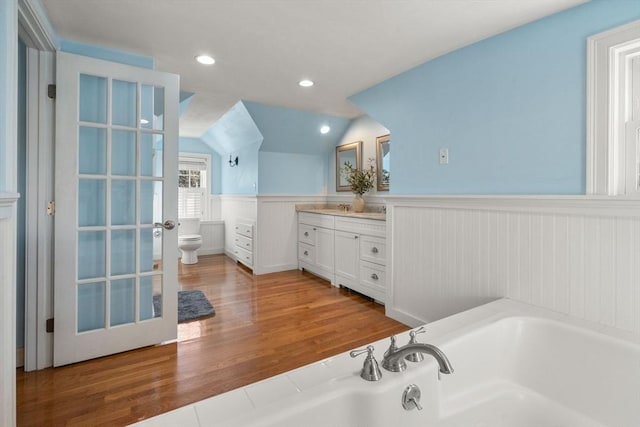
{"points": [[515, 366]]}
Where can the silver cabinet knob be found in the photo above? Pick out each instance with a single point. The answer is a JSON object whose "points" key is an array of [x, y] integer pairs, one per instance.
{"points": [[306, 253], [306, 234], [374, 250], [374, 276]]}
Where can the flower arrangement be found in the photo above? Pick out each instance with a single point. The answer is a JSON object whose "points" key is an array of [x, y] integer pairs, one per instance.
{"points": [[360, 181]]}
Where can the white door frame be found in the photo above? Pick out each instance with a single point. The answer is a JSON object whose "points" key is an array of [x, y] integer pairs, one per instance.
{"points": [[36, 31], [39, 225]]}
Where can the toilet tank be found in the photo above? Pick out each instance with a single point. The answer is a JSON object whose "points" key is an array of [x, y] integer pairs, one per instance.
{"points": [[189, 226]]}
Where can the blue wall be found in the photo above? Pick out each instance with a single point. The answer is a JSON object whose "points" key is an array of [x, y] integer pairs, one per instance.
{"points": [[286, 130], [293, 155], [510, 109], [281, 150], [195, 145], [236, 134], [241, 179], [106, 54], [22, 178], [290, 173]]}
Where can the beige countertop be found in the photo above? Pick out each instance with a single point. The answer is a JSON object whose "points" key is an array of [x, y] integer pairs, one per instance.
{"points": [[334, 210]]}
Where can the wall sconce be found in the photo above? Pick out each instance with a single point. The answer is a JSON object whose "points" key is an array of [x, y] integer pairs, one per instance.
{"points": [[233, 162]]}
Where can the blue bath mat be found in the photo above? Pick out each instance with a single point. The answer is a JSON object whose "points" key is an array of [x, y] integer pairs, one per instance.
{"points": [[192, 305]]}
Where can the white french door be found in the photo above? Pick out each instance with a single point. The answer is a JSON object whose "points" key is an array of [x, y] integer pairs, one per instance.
{"points": [[116, 198]]}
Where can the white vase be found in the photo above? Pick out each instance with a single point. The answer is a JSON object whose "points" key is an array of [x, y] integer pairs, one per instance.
{"points": [[358, 203]]}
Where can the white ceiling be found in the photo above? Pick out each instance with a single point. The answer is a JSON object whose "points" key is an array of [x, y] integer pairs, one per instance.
{"points": [[264, 47]]}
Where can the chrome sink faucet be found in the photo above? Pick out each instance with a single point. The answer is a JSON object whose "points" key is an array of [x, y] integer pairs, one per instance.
{"points": [[394, 357]]}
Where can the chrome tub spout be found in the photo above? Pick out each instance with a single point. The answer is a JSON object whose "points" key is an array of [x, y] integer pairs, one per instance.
{"points": [[394, 360]]}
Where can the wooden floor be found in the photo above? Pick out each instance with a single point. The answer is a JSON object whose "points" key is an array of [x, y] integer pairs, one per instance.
{"points": [[264, 325]]}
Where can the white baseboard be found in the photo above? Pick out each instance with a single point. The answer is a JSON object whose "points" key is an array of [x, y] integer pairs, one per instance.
{"points": [[275, 268], [213, 251], [19, 357], [403, 317]]}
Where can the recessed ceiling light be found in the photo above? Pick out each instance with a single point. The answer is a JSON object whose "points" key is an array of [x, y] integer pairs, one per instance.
{"points": [[205, 59], [325, 129], [305, 83]]}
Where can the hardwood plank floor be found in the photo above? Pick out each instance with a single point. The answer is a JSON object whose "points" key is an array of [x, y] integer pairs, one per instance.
{"points": [[264, 325]]}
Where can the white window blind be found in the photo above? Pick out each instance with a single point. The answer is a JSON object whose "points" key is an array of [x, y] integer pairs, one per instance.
{"points": [[192, 187], [190, 202], [192, 163]]}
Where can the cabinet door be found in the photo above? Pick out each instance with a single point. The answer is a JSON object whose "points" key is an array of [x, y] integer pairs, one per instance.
{"points": [[347, 253], [324, 248]]}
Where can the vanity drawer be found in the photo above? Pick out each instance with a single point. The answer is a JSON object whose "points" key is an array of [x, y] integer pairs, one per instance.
{"points": [[373, 276], [307, 234], [244, 229], [306, 253], [243, 256], [244, 242], [373, 249], [319, 220]]}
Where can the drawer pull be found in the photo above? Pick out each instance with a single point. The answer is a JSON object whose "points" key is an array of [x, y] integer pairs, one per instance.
{"points": [[355, 237], [306, 253], [306, 234], [374, 250], [314, 229], [246, 244], [374, 276]]}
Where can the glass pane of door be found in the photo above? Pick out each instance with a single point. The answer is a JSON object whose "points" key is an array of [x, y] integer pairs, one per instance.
{"points": [[120, 163]]}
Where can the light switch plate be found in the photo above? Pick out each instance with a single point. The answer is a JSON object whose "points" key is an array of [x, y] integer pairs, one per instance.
{"points": [[444, 156]]}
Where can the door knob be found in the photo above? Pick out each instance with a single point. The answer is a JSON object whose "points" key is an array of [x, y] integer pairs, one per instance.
{"points": [[167, 225]]}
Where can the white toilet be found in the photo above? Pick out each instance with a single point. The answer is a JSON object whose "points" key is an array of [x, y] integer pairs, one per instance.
{"points": [[189, 239]]}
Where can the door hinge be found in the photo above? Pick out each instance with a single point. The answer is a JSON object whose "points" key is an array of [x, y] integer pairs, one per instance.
{"points": [[51, 91], [50, 325], [51, 208]]}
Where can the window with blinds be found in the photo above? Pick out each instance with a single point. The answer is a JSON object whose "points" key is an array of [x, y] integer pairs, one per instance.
{"points": [[192, 187]]}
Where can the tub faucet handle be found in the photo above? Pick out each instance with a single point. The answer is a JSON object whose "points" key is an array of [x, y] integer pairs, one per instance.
{"points": [[393, 348], [415, 357], [370, 369]]}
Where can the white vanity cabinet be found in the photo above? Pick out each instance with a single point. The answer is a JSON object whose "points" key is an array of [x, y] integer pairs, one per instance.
{"points": [[316, 244], [362, 245], [348, 251]]}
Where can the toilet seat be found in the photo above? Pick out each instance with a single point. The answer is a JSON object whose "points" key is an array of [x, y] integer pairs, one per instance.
{"points": [[189, 237]]}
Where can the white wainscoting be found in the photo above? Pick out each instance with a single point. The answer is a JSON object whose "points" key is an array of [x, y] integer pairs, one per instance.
{"points": [[575, 255], [215, 204], [7, 308], [276, 237], [212, 233]]}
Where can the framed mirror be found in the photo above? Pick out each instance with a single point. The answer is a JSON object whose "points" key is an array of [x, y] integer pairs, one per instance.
{"points": [[383, 162], [351, 153]]}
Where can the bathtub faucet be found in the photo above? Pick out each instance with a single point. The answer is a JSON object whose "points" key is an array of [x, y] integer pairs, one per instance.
{"points": [[394, 358]]}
